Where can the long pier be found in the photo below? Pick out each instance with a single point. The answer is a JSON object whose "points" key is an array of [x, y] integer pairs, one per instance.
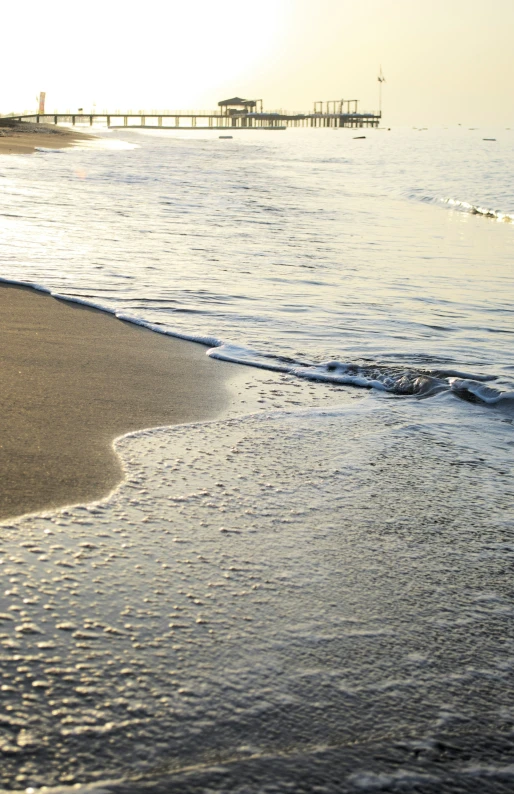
{"points": [[213, 120]]}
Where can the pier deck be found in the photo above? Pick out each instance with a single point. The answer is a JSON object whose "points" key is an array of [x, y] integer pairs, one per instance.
{"points": [[205, 121]]}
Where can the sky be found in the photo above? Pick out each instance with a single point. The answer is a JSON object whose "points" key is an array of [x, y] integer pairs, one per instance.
{"points": [[445, 61]]}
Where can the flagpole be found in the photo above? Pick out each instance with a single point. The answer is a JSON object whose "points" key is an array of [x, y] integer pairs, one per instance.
{"points": [[381, 79]]}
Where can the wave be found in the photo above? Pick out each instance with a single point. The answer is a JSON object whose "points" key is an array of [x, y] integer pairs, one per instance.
{"points": [[400, 381], [475, 209], [396, 380], [474, 391], [405, 381], [465, 206]]}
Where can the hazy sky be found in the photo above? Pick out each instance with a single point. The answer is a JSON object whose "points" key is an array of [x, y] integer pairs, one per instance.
{"points": [[445, 61]]}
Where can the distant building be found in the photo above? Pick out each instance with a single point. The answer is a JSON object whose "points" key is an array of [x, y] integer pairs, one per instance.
{"points": [[236, 105]]}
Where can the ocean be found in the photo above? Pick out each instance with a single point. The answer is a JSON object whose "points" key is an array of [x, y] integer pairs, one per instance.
{"points": [[316, 596]]}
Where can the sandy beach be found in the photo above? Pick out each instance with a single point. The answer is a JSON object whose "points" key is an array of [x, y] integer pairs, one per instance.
{"points": [[73, 379], [24, 137]]}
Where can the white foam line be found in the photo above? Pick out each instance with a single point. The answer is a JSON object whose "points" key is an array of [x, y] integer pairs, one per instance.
{"points": [[221, 352], [212, 342], [486, 394], [208, 341], [339, 373]]}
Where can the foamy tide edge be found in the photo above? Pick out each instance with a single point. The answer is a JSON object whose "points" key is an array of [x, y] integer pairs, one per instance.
{"points": [[397, 380]]}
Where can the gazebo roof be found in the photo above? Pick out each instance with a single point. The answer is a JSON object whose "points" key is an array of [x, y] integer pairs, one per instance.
{"points": [[237, 102]]}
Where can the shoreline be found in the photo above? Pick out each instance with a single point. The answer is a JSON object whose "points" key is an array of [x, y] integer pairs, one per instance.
{"points": [[23, 137], [75, 378]]}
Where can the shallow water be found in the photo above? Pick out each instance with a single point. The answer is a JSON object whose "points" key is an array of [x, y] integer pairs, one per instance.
{"points": [[311, 600], [254, 607], [305, 245]]}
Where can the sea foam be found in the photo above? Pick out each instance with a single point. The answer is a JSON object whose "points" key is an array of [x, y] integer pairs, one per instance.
{"points": [[267, 589]]}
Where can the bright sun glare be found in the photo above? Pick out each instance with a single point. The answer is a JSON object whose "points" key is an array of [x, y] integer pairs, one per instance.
{"points": [[445, 62], [173, 55]]}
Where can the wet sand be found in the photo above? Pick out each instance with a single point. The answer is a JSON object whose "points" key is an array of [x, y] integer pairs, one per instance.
{"points": [[24, 137], [74, 378]]}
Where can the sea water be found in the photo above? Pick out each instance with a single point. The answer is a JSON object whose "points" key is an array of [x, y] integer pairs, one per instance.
{"points": [[313, 599]]}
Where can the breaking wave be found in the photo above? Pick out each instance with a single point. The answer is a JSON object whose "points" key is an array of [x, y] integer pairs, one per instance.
{"points": [[408, 381], [463, 206], [401, 381], [474, 209]]}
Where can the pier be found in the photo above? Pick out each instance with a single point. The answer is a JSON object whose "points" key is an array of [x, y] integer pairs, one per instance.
{"points": [[232, 114]]}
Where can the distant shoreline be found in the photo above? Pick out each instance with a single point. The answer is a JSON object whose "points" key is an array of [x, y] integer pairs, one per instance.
{"points": [[22, 137]]}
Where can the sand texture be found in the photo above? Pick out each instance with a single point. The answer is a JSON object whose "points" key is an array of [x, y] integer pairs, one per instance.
{"points": [[73, 379], [24, 137]]}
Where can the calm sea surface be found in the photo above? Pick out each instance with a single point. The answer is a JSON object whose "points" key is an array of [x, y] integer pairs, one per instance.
{"points": [[310, 600]]}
